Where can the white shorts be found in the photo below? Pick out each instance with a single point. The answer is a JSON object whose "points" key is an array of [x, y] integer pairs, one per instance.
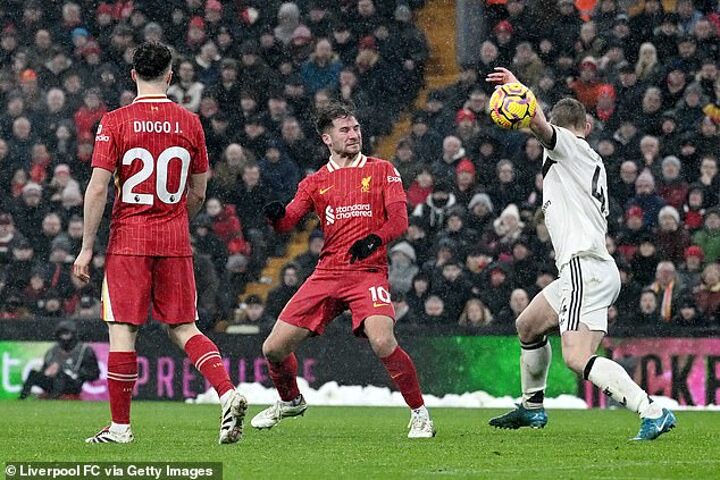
{"points": [[585, 289]]}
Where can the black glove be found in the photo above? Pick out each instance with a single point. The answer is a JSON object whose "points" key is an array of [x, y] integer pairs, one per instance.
{"points": [[274, 211], [362, 249]]}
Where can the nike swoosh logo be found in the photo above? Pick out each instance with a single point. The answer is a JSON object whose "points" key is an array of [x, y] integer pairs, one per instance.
{"points": [[323, 191], [662, 425], [380, 304]]}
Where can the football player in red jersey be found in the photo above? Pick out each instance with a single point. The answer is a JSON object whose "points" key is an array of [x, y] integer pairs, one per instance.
{"points": [[156, 151], [362, 207]]}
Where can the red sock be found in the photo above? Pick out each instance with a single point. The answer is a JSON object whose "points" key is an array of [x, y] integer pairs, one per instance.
{"points": [[121, 376], [402, 370], [284, 377], [206, 357]]}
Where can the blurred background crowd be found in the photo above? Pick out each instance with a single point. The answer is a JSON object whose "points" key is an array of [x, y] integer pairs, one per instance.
{"points": [[477, 249]]}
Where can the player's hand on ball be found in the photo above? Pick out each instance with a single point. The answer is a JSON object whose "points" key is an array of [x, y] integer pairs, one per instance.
{"points": [[501, 76], [81, 267], [274, 211], [363, 248]]}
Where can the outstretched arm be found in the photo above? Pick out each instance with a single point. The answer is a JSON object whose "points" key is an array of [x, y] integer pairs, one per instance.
{"points": [[539, 125], [285, 218]]}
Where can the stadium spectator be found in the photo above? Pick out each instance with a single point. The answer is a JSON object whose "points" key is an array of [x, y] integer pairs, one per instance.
{"points": [[66, 366], [279, 296], [646, 199], [671, 239], [645, 259], [707, 294], [647, 309], [434, 210], [689, 315], [418, 238], [433, 312], [421, 187], [518, 301], [187, 91], [453, 287], [235, 278], [668, 289], [673, 188], [497, 287], [690, 270], [475, 314], [708, 239], [419, 292], [480, 213], [507, 229], [307, 261], [403, 267]]}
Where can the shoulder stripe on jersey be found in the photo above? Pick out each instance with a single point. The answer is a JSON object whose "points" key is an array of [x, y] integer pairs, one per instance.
{"points": [[546, 166]]}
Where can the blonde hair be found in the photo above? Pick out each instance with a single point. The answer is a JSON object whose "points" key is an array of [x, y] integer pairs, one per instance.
{"points": [[486, 315], [644, 68]]}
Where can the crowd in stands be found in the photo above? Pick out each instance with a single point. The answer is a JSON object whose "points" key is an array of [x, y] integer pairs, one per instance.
{"points": [[254, 71], [477, 250]]}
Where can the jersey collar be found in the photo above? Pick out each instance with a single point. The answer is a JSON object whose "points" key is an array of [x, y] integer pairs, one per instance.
{"points": [[359, 162], [151, 98]]}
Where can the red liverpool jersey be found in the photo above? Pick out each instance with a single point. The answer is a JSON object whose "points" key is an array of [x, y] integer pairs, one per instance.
{"points": [[151, 146], [351, 203]]}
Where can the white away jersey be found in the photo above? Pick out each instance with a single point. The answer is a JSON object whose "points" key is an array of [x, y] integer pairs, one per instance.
{"points": [[575, 198]]}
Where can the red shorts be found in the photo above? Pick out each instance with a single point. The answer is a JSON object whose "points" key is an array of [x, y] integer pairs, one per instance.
{"points": [[326, 294], [133, 283]]}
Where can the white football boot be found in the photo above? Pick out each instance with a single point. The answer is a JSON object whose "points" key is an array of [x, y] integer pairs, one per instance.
{"points": [[111, 435], [232, 418], [420, 425], [272, 415]]}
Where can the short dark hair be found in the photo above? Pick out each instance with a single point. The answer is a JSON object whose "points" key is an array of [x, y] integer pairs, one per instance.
{"points": [[151, 60], [569, 112], [326, 115]]}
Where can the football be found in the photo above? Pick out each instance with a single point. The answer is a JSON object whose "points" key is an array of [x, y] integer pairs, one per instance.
{"points": [[512, 105]]}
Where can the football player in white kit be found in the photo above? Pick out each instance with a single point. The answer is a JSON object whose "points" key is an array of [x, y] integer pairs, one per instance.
{"points": [[575, 203]]}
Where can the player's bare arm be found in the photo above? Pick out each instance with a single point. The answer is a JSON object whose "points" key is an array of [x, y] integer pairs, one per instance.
{"points": [[95, 200], [197, 188], [540, 127]]}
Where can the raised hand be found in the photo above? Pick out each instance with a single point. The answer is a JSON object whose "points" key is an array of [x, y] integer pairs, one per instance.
{"points": [[501, 76]]}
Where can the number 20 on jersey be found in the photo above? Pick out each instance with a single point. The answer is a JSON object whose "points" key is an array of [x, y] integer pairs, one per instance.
{"points": [[161, 175]]}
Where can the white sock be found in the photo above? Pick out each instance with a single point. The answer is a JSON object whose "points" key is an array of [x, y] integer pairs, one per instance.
{"points": [[615, 382], [422, 411], [226, 397], [119, 427], [534, 365]]}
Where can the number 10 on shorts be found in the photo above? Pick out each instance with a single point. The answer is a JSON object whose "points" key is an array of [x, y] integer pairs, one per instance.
{"points": [[379, 294]]}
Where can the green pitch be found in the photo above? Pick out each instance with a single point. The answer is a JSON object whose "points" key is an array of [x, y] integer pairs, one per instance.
{"points": [[334, 442]]}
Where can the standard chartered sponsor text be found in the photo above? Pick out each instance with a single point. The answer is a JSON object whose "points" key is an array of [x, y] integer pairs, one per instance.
{"points": [[356, 210]]}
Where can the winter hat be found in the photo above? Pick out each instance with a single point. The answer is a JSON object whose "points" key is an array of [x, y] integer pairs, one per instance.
{"points": [[465, 114], [671, 211], [405, 248], [511, 211], [479, 198], [671, 159], [694, 251], [465, 165], [634, 211]]}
